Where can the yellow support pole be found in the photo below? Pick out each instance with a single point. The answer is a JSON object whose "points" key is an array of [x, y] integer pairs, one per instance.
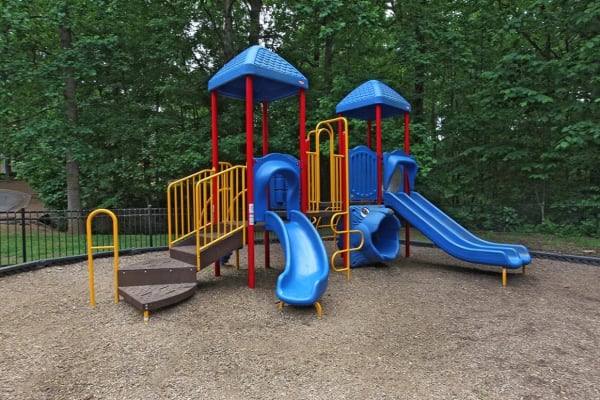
{"points": [[319, 309], [91, 248], [504, 277]]}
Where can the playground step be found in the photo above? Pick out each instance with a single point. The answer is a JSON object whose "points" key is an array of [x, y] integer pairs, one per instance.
{"points": [[186, 250], [152, 297], [156, 272]]}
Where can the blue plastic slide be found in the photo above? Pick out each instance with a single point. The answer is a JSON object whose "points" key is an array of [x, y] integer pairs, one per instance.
{"points": [[465, 234], [450, 236], [304, 279]]}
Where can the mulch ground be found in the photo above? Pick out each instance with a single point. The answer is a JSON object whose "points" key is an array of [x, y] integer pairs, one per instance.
{"points": [[430, 327]]}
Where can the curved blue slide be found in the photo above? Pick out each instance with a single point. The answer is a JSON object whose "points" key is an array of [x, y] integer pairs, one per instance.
{"points": [[450, 236], [304, 279]]}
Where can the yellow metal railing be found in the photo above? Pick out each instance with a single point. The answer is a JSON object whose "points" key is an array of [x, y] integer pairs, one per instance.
{"points": [[181, 208], [91, 248], [339, 195], [208, 206], [217, 220], [338, 165]]}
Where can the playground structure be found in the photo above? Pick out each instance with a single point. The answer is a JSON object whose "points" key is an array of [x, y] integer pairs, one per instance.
{"points": [[220, 210]]}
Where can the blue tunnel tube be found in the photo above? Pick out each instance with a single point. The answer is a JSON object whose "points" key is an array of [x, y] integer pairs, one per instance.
{"points": [[380, 229]]}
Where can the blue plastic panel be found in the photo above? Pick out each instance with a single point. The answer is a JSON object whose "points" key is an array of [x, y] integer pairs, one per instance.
{"points": [[362, 164], [395, 164], [282, 166]]}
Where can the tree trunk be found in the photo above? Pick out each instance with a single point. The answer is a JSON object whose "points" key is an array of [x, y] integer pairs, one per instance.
{"points": [[76, 223], [254, 31], [418, 110], [228, 50]]}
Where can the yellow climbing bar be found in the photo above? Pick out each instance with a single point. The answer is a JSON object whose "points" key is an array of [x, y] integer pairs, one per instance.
{"points": [[91, 248]]}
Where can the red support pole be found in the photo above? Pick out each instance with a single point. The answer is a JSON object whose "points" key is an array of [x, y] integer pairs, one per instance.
{"points": [[303, 156], [265, 150], [340, 136], [407, 133], [265, 128], [379, 152], [215, 163], [214, 129], [250, 176], [406, 183]]}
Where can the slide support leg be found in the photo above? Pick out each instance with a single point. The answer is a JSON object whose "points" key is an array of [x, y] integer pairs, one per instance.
{"points": [[146, 316], [319, 309], [504, 277]]}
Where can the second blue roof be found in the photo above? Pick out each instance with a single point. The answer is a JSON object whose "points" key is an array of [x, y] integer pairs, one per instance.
{"points": [[273, 77], [361, 102]]}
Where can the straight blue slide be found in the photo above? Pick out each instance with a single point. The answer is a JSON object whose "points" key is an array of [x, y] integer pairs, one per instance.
{"points": [[464, 233], [450, 236], [306, 272]]}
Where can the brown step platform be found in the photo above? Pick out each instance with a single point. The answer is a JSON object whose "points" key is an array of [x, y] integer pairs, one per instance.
{"points": [[157, 283], [153, 297], [154, 272]]}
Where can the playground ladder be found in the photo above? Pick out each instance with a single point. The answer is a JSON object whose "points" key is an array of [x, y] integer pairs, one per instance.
{"points": [[338, 204]]}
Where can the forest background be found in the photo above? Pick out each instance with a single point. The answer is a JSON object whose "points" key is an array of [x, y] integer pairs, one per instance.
{"points": [[103, 102]]}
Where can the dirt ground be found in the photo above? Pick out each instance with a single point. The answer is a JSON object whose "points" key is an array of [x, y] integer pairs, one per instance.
{"points": [[430, 327]]}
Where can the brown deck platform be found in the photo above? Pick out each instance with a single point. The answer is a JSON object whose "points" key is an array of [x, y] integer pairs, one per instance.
{"points": [[162, 282], [186, 250]]}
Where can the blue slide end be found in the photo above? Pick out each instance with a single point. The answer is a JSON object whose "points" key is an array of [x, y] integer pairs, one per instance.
{"points": [[306, 272], [450, 236]]}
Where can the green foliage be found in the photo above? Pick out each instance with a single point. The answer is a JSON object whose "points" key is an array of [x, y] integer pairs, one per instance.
{"points": [[505, 95]]}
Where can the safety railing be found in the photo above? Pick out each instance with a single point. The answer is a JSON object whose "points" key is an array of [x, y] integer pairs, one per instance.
{"points": [[180, 203], [181, 206], [324, 133], [217, 220], [114, 246], [324, 137]]}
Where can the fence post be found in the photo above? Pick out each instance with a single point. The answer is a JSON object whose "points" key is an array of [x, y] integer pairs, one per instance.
{"points": [[23, 235], [150, 224]]}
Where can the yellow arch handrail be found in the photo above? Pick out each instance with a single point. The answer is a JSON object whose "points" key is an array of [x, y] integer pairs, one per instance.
{"points": [[338, 175], [91, 248]]}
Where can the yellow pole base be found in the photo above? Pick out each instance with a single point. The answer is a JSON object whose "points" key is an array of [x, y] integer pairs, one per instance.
{"points": [[319, 309], [504, 277], [317, 305], [146, 316]]}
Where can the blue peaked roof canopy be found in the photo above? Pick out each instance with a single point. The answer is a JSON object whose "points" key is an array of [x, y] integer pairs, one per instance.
{"points": [[273, 77], [361, 102]]}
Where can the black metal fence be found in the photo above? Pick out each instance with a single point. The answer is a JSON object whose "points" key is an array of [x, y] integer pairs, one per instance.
{"points": [[29, 236]]}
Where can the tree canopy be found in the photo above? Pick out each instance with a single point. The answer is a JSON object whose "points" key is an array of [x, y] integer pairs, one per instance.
{"points": [[111, 95]]}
